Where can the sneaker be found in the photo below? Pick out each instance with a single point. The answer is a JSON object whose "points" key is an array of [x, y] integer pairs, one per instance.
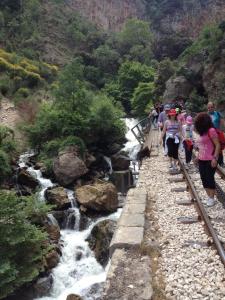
{"points": [[170, 167], [210, 202]]}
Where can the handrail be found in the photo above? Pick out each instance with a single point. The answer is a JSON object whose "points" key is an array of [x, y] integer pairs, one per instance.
{"points": [[140, 136]]}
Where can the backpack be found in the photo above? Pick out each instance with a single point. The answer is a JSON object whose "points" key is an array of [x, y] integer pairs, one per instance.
{"points": [[221, 138]]}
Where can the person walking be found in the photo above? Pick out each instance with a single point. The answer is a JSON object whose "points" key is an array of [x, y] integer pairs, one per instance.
{"points": [[154, 115], [209, 148], [172, 131], [218, 122], [163, 116], [187, 133]]}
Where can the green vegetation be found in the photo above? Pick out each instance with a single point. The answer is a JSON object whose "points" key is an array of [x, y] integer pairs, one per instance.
{"points": [[7, 151], [23, 244], [20, 77]]}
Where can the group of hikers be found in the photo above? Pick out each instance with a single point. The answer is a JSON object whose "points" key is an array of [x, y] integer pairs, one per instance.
{"points": [[203, 133]]}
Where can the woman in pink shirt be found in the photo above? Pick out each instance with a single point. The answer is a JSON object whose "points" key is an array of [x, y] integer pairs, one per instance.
{"points": [[209, 148]]}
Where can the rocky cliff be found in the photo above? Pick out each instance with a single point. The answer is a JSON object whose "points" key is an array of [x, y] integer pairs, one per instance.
{"points": [[108, 14], [180, 16]]}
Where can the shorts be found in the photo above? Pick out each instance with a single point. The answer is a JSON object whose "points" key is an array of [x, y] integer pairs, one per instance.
{"points": [[172, 148], [207, 174]]}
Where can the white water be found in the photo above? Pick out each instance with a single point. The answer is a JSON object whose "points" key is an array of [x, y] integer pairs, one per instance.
{"points": [[132, 147], [75, 275], [72, 274]]}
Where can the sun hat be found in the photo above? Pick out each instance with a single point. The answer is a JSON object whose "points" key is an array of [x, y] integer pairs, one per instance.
{"points": [[166, 107], [172, 112], [189, 120]]}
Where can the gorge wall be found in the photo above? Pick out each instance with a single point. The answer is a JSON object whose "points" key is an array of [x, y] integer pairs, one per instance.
{"points": [[180, 16]]}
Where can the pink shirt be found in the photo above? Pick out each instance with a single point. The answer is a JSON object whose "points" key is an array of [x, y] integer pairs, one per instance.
{"points": [[181, 118], [206, 146]]}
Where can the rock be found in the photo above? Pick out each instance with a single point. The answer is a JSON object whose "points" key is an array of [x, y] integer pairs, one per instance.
{"points": [[68, 167], [101, 196], [53, 232], [26, 179], [52, 259], [57, 196], [73, 297], [177, 88], [43, 286], [120, 162], [100, 238], [89, 159]]}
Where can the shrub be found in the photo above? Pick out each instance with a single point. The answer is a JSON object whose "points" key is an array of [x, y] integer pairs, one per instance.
{"points": [[5, 85], [23, 92], [22, 243], [5, 168]]}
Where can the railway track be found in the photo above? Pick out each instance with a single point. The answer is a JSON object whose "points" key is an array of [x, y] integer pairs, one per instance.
{"points": [[213, 219]]}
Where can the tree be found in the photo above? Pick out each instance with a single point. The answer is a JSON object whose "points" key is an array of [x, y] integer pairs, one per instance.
{"points": [[129, 76], [134, 41], [142, 99], [22, 243]]}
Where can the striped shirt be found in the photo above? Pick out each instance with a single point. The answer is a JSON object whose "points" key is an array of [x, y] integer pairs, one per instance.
{"points": [[172, 128]]}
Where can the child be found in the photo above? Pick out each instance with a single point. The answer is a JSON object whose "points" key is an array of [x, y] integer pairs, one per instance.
{"points": [[187, 132]]}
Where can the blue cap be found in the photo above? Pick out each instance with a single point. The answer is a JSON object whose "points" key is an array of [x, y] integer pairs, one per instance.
{"points": [[167, 107]]}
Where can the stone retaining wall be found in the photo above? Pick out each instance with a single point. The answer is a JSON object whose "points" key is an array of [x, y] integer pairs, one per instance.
{"points": [[129, 276]]}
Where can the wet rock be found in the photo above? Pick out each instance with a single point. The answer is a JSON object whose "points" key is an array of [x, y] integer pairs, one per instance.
{"points": [[89, 159], [68, 167], [73, 297], [101, 196], [57, 196], [53, 232], [26, 179], [43, 286], [95, 291], [52, 259], [60, 216], [120, 162], [100, 238]]}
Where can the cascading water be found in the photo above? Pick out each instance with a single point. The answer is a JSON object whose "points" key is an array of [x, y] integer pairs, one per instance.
{"points": [[132, 147], [78, 269]]}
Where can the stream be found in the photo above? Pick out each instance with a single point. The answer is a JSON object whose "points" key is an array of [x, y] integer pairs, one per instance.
{"points": [[73, 276]]}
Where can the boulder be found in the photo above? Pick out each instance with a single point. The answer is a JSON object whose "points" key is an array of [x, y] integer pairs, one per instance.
{"points": [[73, 297], [53, 232], [68, 167], [101, 196], [52, 259], [120, 162], [100, 238], [43, 286], [57, 196], [26, 179], [177, 88]]}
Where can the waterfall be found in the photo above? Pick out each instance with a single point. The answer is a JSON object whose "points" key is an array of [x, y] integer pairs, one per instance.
{"points": [[78, 269]]}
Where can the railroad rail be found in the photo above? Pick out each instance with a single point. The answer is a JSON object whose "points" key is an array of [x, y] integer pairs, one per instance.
{"points": [[202, 212]]}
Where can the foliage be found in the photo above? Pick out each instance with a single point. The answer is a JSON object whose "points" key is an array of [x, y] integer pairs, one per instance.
{"points": [[142, 98], [196, 103], [165, 69], [22, 243], [206, 44], [23, 74], [129, 76], [135, 36], [106, 125]]}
